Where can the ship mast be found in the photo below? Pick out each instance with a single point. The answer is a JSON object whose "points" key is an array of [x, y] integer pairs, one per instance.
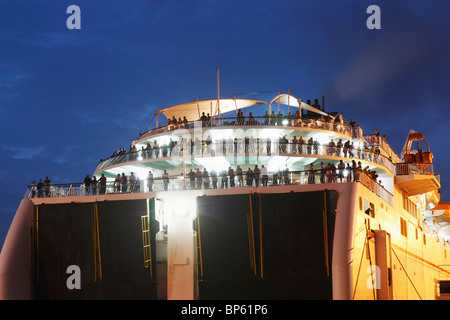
{"points": [[218, 94]]}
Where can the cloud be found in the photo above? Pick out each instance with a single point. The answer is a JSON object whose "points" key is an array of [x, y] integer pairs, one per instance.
{"points": [[10, 78], [24, 153], [47, 40], [384, 61], [65, 155], [118, 117]]}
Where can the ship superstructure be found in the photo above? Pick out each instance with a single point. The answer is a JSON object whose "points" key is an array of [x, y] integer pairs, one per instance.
{"points": [[241, 199]]}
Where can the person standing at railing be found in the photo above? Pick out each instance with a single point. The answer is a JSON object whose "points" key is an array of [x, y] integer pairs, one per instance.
{"points": [[294, 142], [94, 185], [298, 119], [348, 170], [310, 145], [150, 181], [301, 142], [33, 189], [208, 145], [214, 178], [286, 175], [240, 176], [124, 181], [341, 168], [155, 149], [198, 146], [132, 182], [205, 178], [148, 151], [47, 184], [366, 152], [346, 147], [311, 174], [39, 188], [316, 147], [266, 118], [323, 171], [249, 176], [231, 176], [199, 177], [358, 171], [350, 150], [102, 181], [256, 173], [191, 179], [290, 118], [224, 178], [283, 143], [265, 177], [230, 146], [251, 119], [280, 118], [117, 183], [137, 186], [334, 172], [268, 145], [354, 168], [339, 147], [203, 119], [165, 178], [331, 146], [273, 118], [275, 178], [240, 117], [352, 125], [329, 173], [165, 150], [87, 184]]}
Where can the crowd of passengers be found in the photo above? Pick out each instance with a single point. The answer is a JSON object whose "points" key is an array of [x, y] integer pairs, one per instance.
{"points": [[269, 119], [259, 176], [279, 119], [247, 145], [196, 179]]}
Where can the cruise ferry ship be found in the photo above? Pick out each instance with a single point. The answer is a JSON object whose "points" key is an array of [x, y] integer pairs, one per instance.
{"points": [[239, 199]]}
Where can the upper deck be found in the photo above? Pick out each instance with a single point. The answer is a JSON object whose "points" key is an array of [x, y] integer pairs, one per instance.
{"points": [[302, 137], [304, 141]]}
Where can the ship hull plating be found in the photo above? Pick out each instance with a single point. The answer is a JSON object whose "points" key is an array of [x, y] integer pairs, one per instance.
{"points": [[281, 242]]}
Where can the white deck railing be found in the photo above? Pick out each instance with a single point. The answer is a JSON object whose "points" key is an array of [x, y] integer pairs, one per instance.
{"points": [[221, 181]]}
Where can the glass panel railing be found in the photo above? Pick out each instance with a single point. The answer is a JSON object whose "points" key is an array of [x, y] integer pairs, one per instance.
{"points": [[414, 168], [249, 147], [352, 131], [222, 180]]}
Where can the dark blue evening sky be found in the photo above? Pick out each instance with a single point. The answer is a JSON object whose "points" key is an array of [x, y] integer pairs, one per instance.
{"points": [[71, 97]]}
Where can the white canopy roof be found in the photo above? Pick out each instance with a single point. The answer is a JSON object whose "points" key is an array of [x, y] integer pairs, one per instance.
{"points": [[193, 110], [290, 100]]}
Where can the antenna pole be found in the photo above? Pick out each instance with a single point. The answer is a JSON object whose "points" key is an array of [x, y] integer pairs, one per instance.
{"points": [[289, 95], [218, 93], [157, 114]]}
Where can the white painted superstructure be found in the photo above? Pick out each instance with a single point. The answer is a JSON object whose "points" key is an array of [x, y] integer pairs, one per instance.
{"points": [[390, 232]]}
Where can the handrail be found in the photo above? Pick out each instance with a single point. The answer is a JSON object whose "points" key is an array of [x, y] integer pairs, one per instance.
{"points": [[377, 140], [412, 168], [210, 181], [283, 121], [247, 147]]}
